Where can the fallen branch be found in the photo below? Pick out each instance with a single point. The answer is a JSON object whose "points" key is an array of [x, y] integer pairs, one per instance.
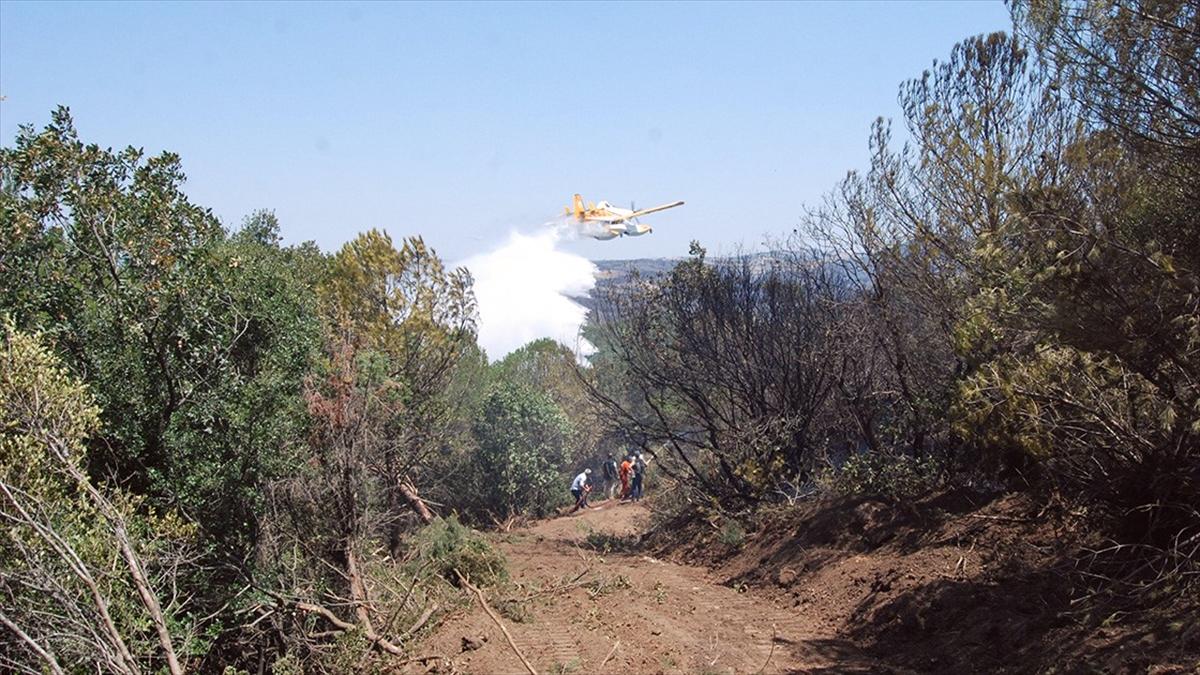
{"points": [[505, 525], [774, 639], [581, 555], [1004, 518], [409, 492], [326, 614], [508, 636], [610, 653], [264, 615], [421, 620], [573, 583], [423, 659], [340, 623], [716, 642]]}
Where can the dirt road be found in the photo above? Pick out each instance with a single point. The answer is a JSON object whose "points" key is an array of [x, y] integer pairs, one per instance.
{"points": [[631, 613]]}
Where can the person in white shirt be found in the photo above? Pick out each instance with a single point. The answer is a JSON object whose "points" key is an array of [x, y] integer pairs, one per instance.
{"points": [[580, 487]]}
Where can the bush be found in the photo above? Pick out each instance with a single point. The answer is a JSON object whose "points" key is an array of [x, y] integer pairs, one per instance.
{"points": [[893, 477], [447, 545], [77, 553], [732, 534], [521, 434]]}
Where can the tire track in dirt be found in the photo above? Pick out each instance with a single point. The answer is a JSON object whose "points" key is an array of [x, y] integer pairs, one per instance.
{"points": [[552, 645]]}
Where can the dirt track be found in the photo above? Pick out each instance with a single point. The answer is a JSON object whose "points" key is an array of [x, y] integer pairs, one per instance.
{"points": [[644, 615]]}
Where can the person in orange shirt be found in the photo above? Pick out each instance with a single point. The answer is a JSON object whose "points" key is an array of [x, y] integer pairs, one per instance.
{"points": [[625, 471]]}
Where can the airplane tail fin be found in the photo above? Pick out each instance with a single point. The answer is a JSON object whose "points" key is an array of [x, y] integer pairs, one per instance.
{"points": [[578, 205]]}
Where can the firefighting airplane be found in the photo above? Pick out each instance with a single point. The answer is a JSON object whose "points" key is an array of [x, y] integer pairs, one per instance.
{"points": [[613, 221]]}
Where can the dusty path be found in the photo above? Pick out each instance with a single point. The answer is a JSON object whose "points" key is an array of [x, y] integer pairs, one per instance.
{"points": [[644, 615]]}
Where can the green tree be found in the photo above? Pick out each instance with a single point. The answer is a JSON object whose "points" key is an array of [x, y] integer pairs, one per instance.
{"points": [[549, 367], [84, 567], [523, 437], [402, 312], [1093, 314], [396, 326], [194, 343]]}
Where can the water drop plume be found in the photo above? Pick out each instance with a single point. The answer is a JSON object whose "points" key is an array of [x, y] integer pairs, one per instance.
{"points": [[525, 289]]}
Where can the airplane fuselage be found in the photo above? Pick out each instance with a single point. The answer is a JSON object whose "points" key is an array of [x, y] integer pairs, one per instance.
{"points": [[613, 221], [606, 213], [607, 234]]}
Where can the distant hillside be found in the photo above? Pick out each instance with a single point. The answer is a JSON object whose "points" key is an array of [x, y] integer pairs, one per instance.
{"points": [[612, 273], [615, 272]]}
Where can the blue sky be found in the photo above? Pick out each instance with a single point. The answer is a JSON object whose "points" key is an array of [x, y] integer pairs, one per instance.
{"points": [[463, 121]]}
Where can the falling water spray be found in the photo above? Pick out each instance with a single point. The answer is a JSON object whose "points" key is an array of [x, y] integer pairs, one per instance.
{"points": [[525, 290]]}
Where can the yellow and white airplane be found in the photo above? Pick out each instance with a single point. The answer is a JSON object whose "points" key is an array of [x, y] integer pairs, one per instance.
{"points": [[610, 221]]}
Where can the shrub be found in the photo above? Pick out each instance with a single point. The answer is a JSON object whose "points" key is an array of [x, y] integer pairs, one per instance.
{"points": [[521, 434], [607, 542], [893, 477], [732, 534], [447, 545]]}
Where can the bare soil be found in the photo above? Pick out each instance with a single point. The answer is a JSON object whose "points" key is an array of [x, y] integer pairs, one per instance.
{"points": [[641, 613], [855, 586], [956, 583]]}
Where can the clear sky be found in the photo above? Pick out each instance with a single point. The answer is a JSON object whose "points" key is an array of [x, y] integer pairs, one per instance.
{"points": [[462, 121]]}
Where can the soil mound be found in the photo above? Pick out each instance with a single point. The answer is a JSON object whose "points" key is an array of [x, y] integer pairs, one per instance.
{"points": [[959, 582]]}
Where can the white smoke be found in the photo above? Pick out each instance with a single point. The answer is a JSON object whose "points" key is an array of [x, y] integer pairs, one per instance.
{"points": [[524, 290]]}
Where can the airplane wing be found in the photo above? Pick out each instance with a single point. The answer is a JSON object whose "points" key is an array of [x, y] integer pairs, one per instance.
{"points": [[655, 209]]}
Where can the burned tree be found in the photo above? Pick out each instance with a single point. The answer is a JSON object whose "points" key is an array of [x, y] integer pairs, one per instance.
{"points": [[718, 368]]}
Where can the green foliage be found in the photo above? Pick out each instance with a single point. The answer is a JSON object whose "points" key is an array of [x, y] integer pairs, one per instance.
{"points": [[40, 404], [606, 585], [67, 541], [194, 343], [1014, 291], [398, 326], [894, 477], [731, 534], [383, 408], [398, 299], [546, 366], [447, 545], [522, 438], [565, 668], [1087, 340], [550, 368]]}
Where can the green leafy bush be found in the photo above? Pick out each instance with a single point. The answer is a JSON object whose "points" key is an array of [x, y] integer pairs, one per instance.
{"points": [[76, 552], [522, 436], [447, 545], [732, 534], [892, 476]]}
